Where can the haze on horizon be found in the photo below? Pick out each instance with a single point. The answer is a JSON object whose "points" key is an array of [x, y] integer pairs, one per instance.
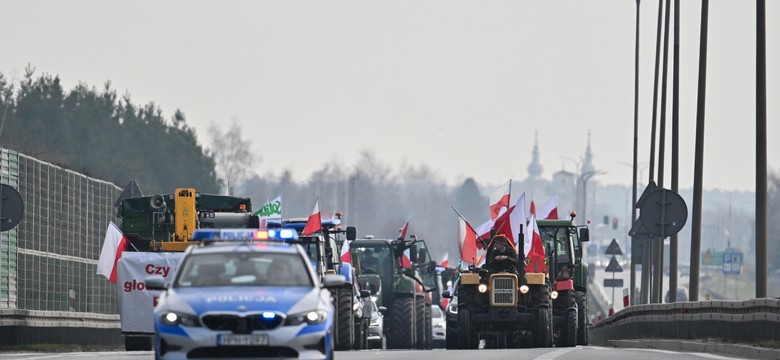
{"points": [[458, 86]]}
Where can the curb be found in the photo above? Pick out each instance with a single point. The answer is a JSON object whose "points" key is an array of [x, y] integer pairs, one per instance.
{"points": [[742, 351]]}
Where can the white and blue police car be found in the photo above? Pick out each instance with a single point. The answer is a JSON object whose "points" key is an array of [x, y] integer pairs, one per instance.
{"points": [[244, 293]]}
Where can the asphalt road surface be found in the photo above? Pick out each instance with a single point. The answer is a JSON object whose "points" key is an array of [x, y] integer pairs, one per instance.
{"points": [[580, 352]]}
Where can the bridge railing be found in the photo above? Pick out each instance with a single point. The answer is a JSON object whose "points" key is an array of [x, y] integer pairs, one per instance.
{"points": [[751, 321]]}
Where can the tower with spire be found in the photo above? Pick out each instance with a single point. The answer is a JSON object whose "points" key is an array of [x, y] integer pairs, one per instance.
{"points": [[535, 167], [587, 162]]}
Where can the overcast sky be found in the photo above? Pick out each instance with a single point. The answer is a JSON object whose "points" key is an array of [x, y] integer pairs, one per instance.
{"points": [[461, 86]]}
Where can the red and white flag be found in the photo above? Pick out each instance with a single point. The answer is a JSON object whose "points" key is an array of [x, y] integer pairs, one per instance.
{"points": [[532, 211], [510, 221], [113, 246], [467, 241], [314, 223], [445, 262], [625, 297], [499, 199], [549, 210], [346, 255], [405, 228], [535, 248]]}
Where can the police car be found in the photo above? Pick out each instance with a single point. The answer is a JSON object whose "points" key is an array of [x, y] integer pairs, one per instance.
{"points": [[242, 294]]}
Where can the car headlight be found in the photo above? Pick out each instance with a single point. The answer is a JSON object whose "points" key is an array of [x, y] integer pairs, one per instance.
{"points": [[374, 322], [311, 318], [524, 289], [554, 295], [171, 318], [482, 288]]}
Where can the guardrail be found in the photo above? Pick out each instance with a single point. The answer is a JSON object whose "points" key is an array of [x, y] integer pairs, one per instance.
{"points": [[749, 321], [59, 327]]}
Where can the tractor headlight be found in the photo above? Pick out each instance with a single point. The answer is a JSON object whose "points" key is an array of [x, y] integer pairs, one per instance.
{"points": [[554, 295], [524, 289], [482, 288]]}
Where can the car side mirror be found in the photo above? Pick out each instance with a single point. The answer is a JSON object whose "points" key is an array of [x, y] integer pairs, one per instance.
{"points": [[155, 282], [382, 309], [365, 294], [446, 294], [413, 253]]}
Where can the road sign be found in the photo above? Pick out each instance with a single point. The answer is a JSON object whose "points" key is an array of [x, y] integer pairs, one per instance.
{"points": [[663, 212], [11, 207], [732, 263], [613, 283], [711, 258], [613, 266], [613, 248]]}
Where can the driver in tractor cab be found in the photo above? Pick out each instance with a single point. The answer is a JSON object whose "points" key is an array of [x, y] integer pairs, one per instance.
{"points": [[501, 255]]}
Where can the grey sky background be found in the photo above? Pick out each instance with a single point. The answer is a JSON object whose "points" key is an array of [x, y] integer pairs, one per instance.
{"points": [[460, 86]]}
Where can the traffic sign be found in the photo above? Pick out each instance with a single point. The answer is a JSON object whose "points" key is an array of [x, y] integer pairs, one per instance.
{"points": [[613, 266], [613, 283], [732, 263], [11, 207], [613, 248], [663, 212]]}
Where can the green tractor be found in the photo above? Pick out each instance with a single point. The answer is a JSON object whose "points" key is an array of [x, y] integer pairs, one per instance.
{"points": [[400, 277], [563, 241]]}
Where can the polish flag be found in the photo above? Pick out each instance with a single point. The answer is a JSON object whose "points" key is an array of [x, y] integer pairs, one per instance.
{"points": [[549, 210], [535, 248], [113, 246], [467, 242], [405, 228], [314, 223], [346, 255], [499, 198], [445, 262], [533, 207], [483, 231], [625, 297], [405, 262], [509, 222]]}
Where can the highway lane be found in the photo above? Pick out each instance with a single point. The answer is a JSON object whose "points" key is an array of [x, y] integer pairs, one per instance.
{"points": [[580, 352]]}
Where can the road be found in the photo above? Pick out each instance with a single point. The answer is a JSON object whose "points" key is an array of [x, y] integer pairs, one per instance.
{"points": [[580, 352]]}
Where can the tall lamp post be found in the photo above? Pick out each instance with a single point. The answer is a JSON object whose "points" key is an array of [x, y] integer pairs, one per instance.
{"points": [[583, 179]]}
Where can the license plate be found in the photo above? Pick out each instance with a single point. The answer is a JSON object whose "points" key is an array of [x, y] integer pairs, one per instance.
{"points": [[243, 340]]}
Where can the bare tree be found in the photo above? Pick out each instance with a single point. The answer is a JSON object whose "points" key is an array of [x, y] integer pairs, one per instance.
{"points": [[234, 160]]}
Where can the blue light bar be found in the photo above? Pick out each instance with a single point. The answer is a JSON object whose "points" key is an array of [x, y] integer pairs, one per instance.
{"points": [[212, 235]]}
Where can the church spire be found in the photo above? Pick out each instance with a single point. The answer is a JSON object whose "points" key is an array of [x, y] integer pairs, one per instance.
{"points": [[587, 163], [535, 168]]}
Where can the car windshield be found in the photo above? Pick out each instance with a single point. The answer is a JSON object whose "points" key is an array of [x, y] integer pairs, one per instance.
{"points": [[243, 269]]}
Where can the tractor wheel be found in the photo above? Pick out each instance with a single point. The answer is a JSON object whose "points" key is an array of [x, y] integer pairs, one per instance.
{"points": [[419, 311], [402, 323], [467, 334], [582, 318], [543, 327], [428, 327], [451, 339], [570, 332], [345, 320]]}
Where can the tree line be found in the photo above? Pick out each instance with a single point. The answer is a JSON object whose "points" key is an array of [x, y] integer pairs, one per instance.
{"points": [[98, 133]]}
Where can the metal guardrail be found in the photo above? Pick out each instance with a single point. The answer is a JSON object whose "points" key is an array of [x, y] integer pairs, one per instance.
{"points": [[59, 319], [739, 321]]}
